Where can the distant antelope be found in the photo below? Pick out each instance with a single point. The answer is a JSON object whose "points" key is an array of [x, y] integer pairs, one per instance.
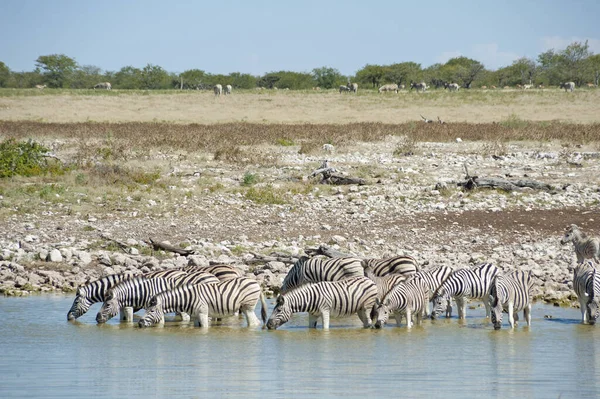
{"points": [[540, 86], [506, 87], [591, 85], [389, 87], [103, 85], [518, 86], [484, 87], [40, 87], [493, 87], [527, 87]]}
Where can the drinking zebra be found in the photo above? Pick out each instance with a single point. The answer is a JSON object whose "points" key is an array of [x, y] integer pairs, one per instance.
{"points": [[472, 283], [95, 292], [221, 299], [313, 270], [585, 247], [511, 293], [407, 298], [403, 264], [586, 283], [326, 299], [434, 278]]}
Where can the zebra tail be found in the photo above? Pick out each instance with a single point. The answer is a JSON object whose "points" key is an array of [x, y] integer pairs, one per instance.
{"points": [[263, 309]]}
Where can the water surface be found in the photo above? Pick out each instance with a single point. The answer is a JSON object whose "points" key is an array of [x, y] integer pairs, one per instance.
{"points": [[43, 355]]}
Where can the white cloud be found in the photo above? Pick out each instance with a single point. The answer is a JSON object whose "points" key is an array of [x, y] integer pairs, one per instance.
{"points": [[560, 43], [488, 54], [446, 55]]}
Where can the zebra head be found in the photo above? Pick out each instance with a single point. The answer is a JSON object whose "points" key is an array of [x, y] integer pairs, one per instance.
{"points": [[109, 308], [281, 314], [570, 233], [496, 304], [154, 313], [80, 306], [381, 312], [441, 303]]}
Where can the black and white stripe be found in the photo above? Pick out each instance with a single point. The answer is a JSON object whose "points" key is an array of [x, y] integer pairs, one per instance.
{"points": [[434, 278], [465, 284], [313, 270], [511, 292], [586, 282], [217, 300], [222, 272], [585, 247], [403, 264], [135, 293], [408, 298], [325, 300]]}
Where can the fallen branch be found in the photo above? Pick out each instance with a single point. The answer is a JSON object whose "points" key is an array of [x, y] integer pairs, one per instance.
{"points": [[169, 248], [326, 251]]}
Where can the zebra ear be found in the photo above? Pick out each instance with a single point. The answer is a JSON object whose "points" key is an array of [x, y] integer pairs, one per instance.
{"points": [[388, 302], [280, 300], [377, 302]]}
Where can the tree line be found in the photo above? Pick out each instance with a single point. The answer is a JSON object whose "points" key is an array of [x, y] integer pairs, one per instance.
{"points": [[574, 63]]}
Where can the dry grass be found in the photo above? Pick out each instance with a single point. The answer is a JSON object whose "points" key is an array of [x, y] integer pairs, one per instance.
{"points": [[295, 107]]}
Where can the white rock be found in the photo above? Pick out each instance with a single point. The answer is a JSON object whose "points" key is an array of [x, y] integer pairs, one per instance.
{"points": [[54, 256]]}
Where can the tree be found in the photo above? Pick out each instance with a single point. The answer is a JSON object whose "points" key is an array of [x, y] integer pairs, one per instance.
{"points": [[463, 70], [154, 77], [371, 75], [573, 58], [57, 69], [549, 66], [4, 74], [523, 70], [402, 73], [327, 78], [193, 78], [128, 78], [86, 77], [593, 68], [243, 80]]}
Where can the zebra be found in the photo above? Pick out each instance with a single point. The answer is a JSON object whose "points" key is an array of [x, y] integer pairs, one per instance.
{"points": [[472, 283], [222, 272], [511, 292], [402, 264], [452, 86], [313, 270], [95, 292], [433, 278], [103, 85], [326, 299], [228, 89], [586, 282], [134, 292], [218, 89], [40, 87], [407, 298], [585, 247], [422, 86], [344, 88], [353, 87], [568, 86], [389, 87], [221, 299]]}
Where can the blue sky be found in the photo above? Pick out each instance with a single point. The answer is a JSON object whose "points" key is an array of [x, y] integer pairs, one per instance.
{"points": [[224, 36]]}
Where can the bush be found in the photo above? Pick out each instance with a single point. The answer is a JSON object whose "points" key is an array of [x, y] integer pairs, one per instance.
{"points": [[24, 159]]}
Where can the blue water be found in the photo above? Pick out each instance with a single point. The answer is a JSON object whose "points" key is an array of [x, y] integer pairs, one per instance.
{"points": [[43, 355]]}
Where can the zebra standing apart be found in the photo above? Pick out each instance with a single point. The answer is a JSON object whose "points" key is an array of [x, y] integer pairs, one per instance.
{"points": [[585, 247], [472, 283], [326, 299], [95, 292], [228, 89], [313, 270], [407, 298], [568, 86], [203, 300], [586, 283], [404, 265], [218, 89], [511, 293], [135, 293]]}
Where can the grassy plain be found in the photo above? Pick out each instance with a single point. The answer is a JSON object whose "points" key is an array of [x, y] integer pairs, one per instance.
{"points": [[297, 107]]}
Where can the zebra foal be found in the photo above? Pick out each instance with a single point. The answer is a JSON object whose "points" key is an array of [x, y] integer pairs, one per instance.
{"points": [[511, 293], [472, 283], [324, 300], [217, 300], [585, 247], [313, 270], [586, 283], [407, 298]]}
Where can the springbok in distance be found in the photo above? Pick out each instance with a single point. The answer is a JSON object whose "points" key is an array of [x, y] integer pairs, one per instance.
{"points": [[40, 87], [591, 85], [402, 87], [493, 87], [453, 86], [568, 86], [483, 87], [228, 89], [103, 85], [527, 87], [506, 87], [540, 86], [218, 89]]}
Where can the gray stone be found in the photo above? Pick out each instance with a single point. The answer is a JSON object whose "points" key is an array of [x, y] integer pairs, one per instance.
{"points": [[54, 256]]}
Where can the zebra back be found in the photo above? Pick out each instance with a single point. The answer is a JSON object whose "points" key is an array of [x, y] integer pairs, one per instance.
{"points": [[386, 283], [404, 265], [222, 272], [198, 277], [137, 291], [313, 270], [584, 282], [167, 274], [434, 277], [514, 286]]}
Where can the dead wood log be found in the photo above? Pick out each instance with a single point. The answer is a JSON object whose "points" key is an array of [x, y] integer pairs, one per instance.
{"points": [[169, 248], [327, 251], [339, 180]]}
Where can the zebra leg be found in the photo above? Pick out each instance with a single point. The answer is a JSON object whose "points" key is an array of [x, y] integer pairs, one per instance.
{"points": [[184, 316], [366, 320], [126, 314], [202, 317], [325, 315], [398, 317], [418, 317], [250, 317], [511, 315], [461, 305], [312, 320], [582, 307], [449, 308], [408, 318], [488, 308]]}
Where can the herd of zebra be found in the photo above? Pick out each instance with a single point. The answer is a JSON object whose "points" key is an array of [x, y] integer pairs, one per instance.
{"points": [[374, 289]]}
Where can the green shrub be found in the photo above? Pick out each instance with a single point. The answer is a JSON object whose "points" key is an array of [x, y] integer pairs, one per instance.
{"points": [[265, 195], [25, 159], [249, 179]]}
